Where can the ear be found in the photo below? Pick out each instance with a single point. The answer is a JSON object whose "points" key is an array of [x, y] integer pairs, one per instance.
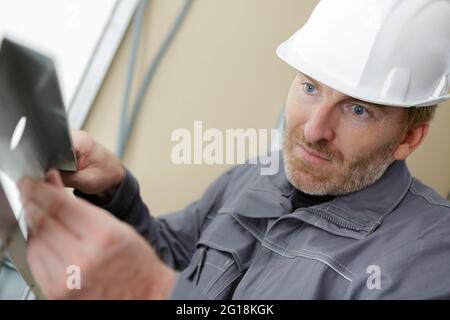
{"points": [[413, 138]]}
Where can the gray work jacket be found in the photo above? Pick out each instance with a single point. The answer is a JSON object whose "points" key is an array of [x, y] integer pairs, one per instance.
{"points": [[242, 239]]}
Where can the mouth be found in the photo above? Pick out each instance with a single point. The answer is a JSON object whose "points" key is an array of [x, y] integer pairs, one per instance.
{"points": [[311, 155]]}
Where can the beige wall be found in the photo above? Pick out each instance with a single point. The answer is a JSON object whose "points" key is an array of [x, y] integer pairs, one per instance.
{"points": [[221, 69]]}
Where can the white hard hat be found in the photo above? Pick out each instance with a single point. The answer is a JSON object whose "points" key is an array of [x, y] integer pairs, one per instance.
{"points": [[389, 52]]}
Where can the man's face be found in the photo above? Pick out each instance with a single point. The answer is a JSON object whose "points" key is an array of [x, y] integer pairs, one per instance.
{"points": [[335, 144]]}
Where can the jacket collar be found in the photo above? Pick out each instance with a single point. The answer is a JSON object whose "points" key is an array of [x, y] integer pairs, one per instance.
{"points": [[354, 215]]}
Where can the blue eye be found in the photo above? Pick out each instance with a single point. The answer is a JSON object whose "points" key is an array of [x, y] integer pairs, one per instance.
{"points": [[359, 110], [309, 88]]}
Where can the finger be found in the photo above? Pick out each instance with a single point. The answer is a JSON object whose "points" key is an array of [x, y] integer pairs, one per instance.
{"points": [[23, 181], [81, 142], [63, 242], [49, 198], [81, 180], [34, 217], [74, 214], [47, 269], [44, 195], [54, 178], [69, 178]]}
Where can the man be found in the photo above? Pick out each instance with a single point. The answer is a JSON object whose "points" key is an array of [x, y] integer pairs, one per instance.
{"points": [[343, 219]]}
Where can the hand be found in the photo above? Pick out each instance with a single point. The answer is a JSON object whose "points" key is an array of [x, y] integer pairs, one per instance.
{"points": [[98, 168], [114, 261]]}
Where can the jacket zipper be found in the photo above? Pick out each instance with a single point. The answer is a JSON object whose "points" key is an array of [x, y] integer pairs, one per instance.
{"points": [[337, 222]]}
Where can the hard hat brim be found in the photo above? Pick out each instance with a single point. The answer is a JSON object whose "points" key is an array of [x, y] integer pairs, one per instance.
{"points": [[299, 62]]}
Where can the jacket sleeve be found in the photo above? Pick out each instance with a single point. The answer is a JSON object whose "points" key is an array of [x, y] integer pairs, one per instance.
{"points": [[174, 235]]}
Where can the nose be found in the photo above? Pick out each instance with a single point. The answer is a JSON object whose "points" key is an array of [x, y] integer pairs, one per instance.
{"points": [[320, 125]]}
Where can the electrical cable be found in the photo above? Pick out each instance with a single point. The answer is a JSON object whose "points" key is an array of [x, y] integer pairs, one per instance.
{"points": [[127, 127], [137, 27]]}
